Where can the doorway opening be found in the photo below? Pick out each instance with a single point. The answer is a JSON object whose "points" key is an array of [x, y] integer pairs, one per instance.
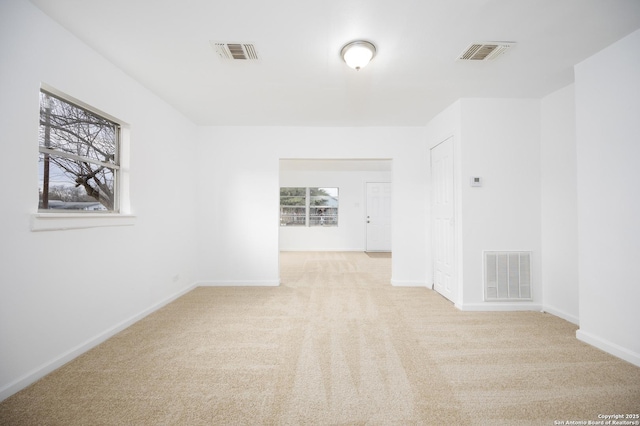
{"points": [[349, 179]]}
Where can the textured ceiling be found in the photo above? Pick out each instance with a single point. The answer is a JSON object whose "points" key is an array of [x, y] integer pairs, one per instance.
{"points": [[301, 80]]}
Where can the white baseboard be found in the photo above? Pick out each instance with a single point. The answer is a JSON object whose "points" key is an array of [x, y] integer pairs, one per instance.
{"points": [[502, 306], [561, 314], [39, 372], [239, 283], [405, 283], [609, 347]]}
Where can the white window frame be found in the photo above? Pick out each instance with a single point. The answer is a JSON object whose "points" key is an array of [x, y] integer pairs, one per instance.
{"points": [[321, 220], [307, 208], [47, 220]]}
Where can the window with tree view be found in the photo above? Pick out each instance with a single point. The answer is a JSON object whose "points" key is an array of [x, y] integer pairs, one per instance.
{"points": [[293, 206], [308, 206], [79, 161]]}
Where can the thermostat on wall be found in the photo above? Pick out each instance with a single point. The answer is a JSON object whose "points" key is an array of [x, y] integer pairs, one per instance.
{"points": [[476, 181]]}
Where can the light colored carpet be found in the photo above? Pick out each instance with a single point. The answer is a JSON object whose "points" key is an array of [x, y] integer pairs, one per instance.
{"points": [[334, 344]]}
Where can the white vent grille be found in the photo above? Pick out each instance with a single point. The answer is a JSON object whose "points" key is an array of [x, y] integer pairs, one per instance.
{"points": [[484, 51], [507, 275], [235, 51]]}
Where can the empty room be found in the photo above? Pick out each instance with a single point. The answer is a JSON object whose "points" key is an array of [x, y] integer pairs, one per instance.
{"points": [[337, 212]]}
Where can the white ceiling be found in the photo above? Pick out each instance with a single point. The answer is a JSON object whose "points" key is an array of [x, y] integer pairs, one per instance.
{"points": [[301, 80]]}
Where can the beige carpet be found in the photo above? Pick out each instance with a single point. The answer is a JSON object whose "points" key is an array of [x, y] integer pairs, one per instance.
{"points": [[334, 344]]}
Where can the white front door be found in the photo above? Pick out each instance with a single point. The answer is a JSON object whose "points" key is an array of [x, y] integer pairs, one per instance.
{"points": [[378, 216], [443, 228]]}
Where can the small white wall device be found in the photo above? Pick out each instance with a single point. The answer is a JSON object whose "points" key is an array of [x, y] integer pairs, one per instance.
{"points": [[476, 181]]}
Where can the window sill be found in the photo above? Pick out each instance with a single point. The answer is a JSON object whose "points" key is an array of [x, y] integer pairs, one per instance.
{"points": [[64, 221]]}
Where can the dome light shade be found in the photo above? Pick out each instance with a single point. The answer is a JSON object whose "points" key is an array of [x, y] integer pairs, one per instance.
{"points": [[358, 54]]}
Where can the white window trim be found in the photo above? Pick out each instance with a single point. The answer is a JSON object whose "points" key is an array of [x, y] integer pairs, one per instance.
{"points": [[65, 221], [307, 208], [56, 221]]}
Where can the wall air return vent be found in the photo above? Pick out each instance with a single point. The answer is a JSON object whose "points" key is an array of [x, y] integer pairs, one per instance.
{"points": [[484, 51], [235, 51], [507, 275]]}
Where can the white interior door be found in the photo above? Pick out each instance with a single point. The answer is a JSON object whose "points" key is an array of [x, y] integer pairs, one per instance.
{"points": [[443, 226], [378, 216]]}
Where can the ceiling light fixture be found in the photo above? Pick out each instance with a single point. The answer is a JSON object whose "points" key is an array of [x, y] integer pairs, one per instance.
{"points": [[358, 54]]}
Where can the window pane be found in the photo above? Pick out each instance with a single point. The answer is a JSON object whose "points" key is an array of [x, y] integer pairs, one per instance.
{"points": [[74, 130], [323, 210], [293, 192], [66, 184], [293, 196], [323, 197], [293, 216], [330, 192], [80, 176], [293, 211], [323, 216]]}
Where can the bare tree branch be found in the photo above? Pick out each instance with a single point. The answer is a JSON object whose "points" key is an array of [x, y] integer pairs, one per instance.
{"points": [[76, 131]]}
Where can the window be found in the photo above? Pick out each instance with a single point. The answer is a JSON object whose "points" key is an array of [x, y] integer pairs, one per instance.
{"points": [[323, 206], [293, 206], [308, 206], [79, 158]]}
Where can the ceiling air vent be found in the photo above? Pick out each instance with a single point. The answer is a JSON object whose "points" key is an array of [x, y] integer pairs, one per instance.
{"points": [[235, 51], [484, 51]]}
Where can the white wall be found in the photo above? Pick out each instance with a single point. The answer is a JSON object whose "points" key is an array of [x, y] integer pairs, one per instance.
{"points": [[559, 205], [498, 140], [239, 198], [350, 234], [63, 291], [608, 148]]}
